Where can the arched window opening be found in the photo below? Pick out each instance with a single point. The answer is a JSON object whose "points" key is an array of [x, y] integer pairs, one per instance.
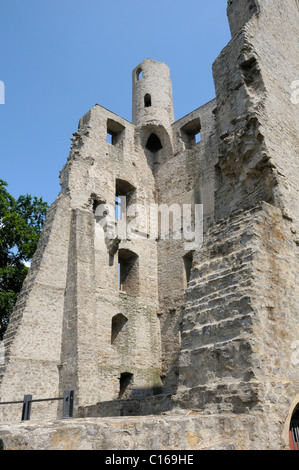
{"points": [[153, 143], [124, 188], [118, 324], [294, 430], [125, 384], [147, 101], [139, 74]]}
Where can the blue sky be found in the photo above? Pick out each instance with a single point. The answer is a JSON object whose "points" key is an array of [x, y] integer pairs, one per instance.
{"points": [[59, 58]]}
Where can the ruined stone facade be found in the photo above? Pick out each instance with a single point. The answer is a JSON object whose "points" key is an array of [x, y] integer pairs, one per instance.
{"points": [[201, 339]]}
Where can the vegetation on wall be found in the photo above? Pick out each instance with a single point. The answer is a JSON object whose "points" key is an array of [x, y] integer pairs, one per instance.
{"points": [[21, 222]]}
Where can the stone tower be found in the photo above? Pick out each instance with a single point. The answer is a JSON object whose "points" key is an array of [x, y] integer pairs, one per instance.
{"points": [[152, 94], [92, 299], [140, 323]]}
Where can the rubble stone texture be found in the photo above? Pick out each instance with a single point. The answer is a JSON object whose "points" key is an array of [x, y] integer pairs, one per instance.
{"points": [[197, 347]]}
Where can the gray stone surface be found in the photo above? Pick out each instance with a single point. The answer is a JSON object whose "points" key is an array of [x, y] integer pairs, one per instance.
{"points": [[180, 432]]}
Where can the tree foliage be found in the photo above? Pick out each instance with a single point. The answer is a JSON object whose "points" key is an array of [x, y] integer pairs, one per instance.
{"points": [[21, 222]]}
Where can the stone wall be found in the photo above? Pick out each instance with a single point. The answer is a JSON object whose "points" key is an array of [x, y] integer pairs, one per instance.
{"points": [[236, 354], [242, 301], [185, 178], [183, 432], [30, 366], [202, 336]]}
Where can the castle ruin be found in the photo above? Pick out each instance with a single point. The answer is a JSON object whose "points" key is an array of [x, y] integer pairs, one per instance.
{"points": [[174, 345]]}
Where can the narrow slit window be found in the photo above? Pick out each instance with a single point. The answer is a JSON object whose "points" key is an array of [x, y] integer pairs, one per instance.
{"points": [[111, 138], [118, 207], [188, 261], [147, 101]]}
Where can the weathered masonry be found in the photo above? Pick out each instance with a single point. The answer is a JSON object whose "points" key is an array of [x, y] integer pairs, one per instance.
{"points": [[140, 325]]}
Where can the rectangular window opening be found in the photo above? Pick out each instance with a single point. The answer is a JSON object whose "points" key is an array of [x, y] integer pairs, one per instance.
{"points": [[191, 133], [125, 384], [115, 132], [125, 195], [128, 272], [111, 138]]}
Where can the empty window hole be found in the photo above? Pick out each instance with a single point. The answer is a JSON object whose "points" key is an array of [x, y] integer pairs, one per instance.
{"points": [[197, 137], [114, 132], [111, 138], [125, 195], [154, 143], [125, 382], [128, 272], [139, 74], [191, 133], [118, 207], [147, 101], [119, 321], [188, 261]]}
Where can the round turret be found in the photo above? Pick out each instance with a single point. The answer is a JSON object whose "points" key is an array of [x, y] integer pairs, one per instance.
{"points": [[152, 94]]}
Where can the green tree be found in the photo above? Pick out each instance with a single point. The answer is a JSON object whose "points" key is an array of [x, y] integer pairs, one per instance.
{"points": [[21, 222]]}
